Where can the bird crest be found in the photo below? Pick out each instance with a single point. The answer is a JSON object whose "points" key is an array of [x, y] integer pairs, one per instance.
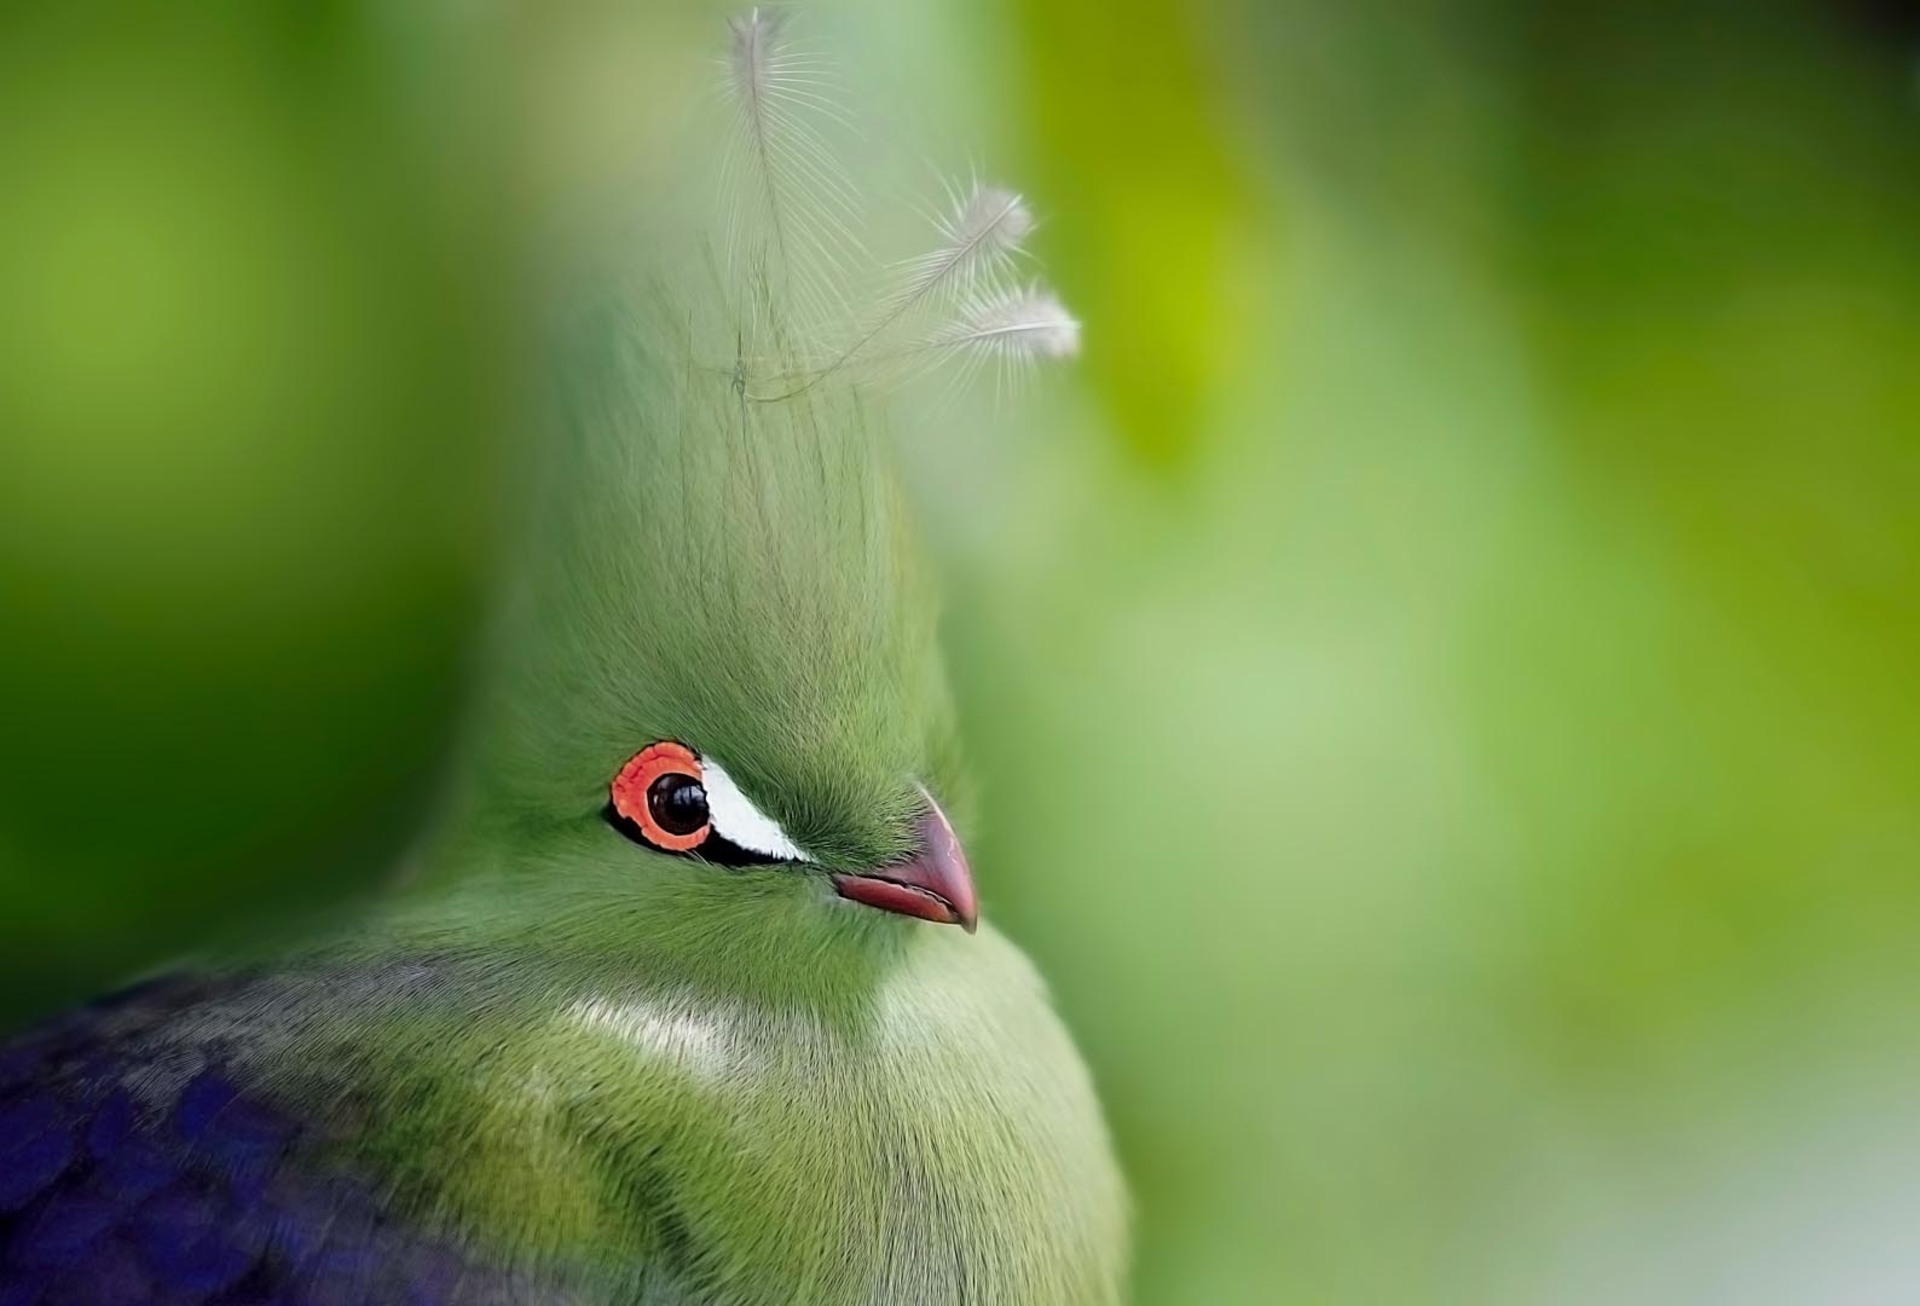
{"points": [[797, 264], [724, 561]]}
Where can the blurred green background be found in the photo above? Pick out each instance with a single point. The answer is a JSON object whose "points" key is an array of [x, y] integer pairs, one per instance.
{"points": [[1442, 671]]}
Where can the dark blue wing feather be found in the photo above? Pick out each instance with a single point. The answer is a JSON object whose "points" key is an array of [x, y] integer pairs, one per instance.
{"points": [[129, 1178]]}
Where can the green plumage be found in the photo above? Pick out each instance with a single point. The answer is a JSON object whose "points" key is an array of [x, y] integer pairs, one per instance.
{"points": [[605, 1072], [678, 1080]]}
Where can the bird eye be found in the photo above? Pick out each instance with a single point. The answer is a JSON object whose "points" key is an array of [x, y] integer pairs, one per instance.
{"points": [[678, 804], [671, 799], [661, 793]]}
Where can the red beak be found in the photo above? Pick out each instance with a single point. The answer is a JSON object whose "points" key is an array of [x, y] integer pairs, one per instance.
{"points": [[933, 884]]}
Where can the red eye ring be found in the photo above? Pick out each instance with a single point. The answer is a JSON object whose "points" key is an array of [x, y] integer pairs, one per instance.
{"points": [[632, 787]]}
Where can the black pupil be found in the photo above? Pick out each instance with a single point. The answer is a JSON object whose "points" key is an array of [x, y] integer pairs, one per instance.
{"points": [[678, 803]]}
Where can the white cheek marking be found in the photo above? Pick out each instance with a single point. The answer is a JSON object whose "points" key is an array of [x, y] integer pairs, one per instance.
{"points": [[705, 1044], [738, 820]]}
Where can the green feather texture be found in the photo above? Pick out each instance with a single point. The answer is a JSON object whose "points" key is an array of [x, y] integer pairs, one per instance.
{"points": [[733, 574], [626, 1075]]}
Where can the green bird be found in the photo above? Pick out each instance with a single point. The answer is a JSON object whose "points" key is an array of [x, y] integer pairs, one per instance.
{"points": [[685, 997]]}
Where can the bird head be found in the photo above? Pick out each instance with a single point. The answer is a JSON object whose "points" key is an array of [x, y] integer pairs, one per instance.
{"points": [[771, 696], [719, 678]]}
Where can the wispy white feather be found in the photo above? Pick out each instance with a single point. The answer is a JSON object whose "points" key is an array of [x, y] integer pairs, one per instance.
{"points": [[980, 233], [797, 232], [793, 252], [1013, 325]]}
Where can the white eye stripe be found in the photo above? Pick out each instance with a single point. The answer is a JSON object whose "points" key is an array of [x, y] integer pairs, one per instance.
{"points": [[738, 821]]}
